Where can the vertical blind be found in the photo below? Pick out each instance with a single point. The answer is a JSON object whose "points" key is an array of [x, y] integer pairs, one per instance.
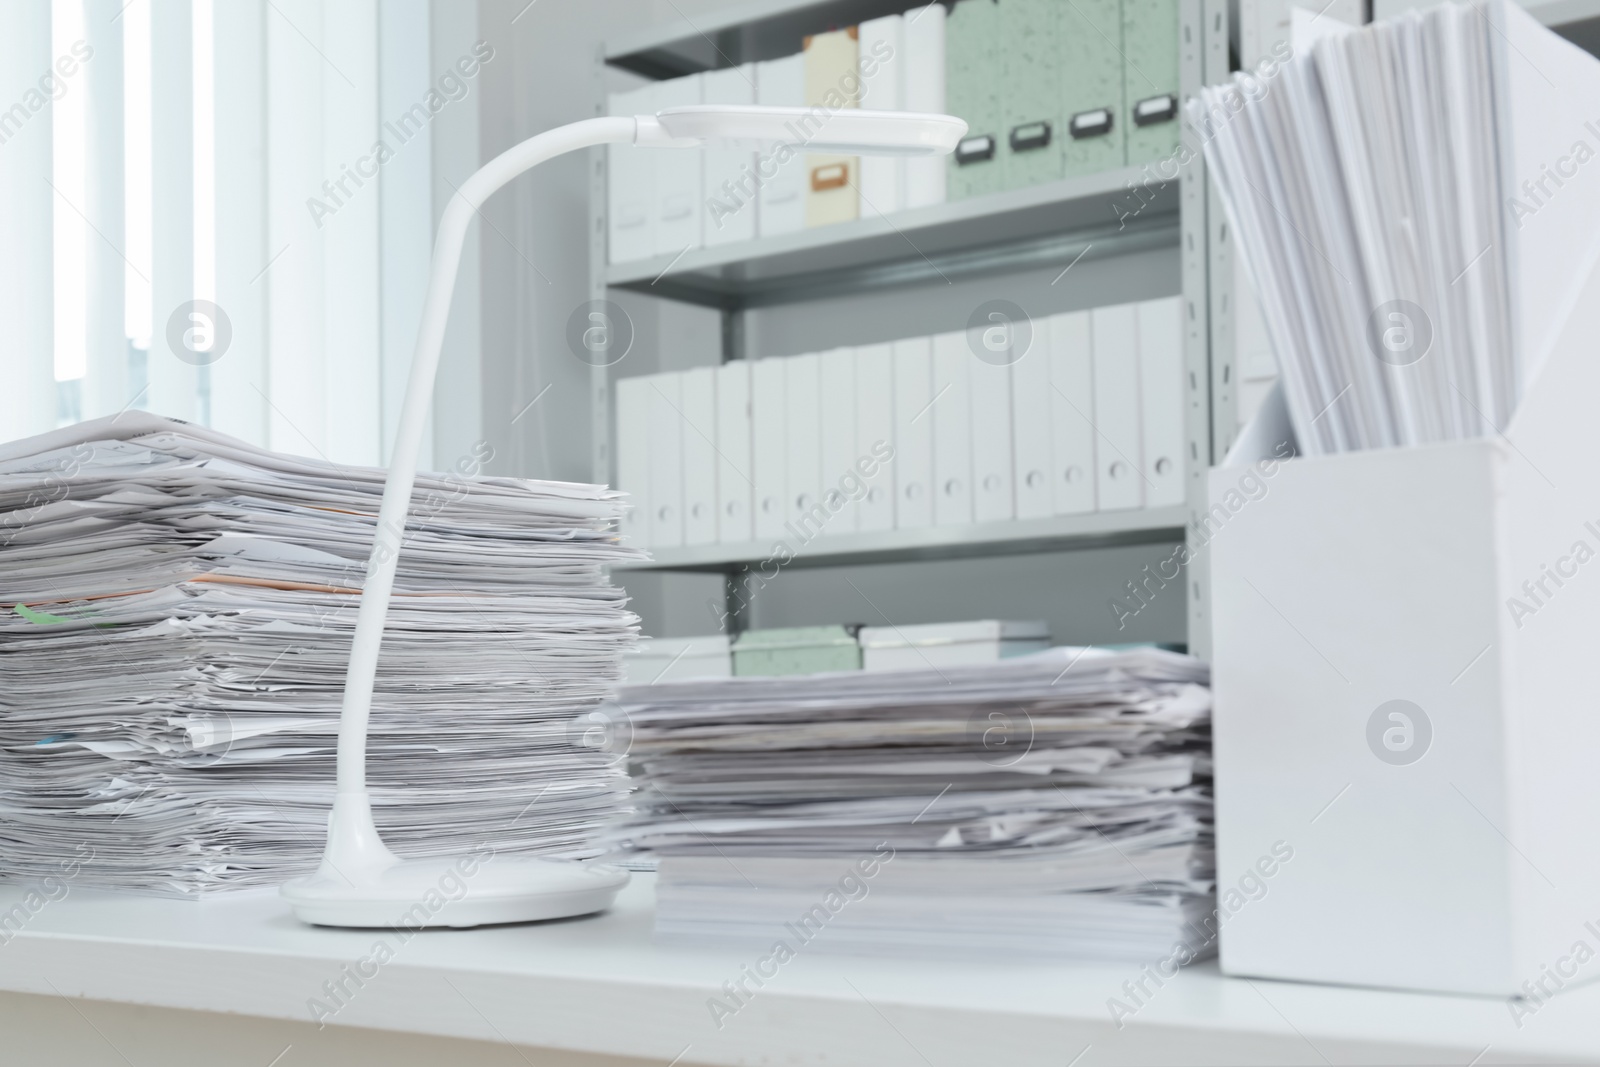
{"points": [[163, 158]]}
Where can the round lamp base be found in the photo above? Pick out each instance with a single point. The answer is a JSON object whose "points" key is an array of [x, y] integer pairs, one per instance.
{"points": [[458, 891]]}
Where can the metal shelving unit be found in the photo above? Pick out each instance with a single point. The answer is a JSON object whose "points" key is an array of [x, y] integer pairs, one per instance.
{"points": [[1106, 214]]}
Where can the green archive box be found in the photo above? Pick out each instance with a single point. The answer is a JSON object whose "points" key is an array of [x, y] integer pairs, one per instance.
{"points": [[1091, 87], [797, 650], [1150, 78], [1030, 80], [972, 92]]}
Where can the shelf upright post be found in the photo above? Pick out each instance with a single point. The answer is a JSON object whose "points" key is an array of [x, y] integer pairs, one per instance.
{"points": [[599, 251], [1202, 26], [736, 590]]}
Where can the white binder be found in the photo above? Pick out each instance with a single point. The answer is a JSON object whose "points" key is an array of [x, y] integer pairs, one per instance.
{"points": [[735, 483], [922, 75], [630, 186], [803, 440], [768, 455], [1072, 427], [699, 456], [1161, 387], [840, 478], [1031, 440], [665, 398], [882, 65], [781, 83], [952, 430], [679, 209], [730, 191], [633, 455], [913, 432], [875, 432], [1119, 447], [993, 481]]}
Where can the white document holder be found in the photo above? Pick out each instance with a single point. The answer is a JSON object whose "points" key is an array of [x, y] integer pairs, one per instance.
{"points": [[665, 420], [735, 480], [802, 383], [769, 454], [633, 456], [913, 432], [874, 432], [952, 430], [1447, 842], [839, 450], [699, 410], [1072, 412]]}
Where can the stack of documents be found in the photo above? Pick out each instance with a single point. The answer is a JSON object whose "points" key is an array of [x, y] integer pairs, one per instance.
{"points": [[177, 615], [1055, 803], [1412, 201]]}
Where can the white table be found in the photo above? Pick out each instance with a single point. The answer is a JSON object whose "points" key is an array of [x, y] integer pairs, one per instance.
{"points": [[601, 986]]}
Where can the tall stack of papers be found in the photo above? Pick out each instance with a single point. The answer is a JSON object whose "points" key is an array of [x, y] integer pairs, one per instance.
{"points": [[1056, 803], [177, 615], [1413, 203]]}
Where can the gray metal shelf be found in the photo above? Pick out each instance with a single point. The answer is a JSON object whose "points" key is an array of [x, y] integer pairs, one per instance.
{"points": [[740, 33], [1104, 214], [1091, 530], [1108, 213]]}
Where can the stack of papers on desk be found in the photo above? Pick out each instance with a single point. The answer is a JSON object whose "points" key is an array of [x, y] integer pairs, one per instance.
{"points": [[1056, 803], [175, 623], [1415, 205]]}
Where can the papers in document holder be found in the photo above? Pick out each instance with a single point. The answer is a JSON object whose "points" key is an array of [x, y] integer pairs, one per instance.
{"points": [[1054, 803], [1392, 192], [175, 623]]}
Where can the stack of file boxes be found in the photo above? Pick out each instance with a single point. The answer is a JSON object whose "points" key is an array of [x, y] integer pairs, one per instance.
{"points": [[178, 612], [1048, 89], [907, 434]]}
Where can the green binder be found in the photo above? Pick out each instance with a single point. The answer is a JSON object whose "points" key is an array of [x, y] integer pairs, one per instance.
{"points": [[972, 92], [1092, 108], [796, 650], [1150, 78], [1030, 66]]}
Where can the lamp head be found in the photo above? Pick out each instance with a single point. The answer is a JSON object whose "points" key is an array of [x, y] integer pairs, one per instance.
{"points": [[847, 131]]}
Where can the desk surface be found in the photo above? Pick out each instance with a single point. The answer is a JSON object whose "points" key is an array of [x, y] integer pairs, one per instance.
{"points": [[602, 985]]}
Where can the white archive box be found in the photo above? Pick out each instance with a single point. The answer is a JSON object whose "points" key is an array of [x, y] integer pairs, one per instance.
{"points": [[949, 644], [679, 210], [882, 65], [664, 403], [922, 89], [839, 448], [698, 408], [1403, 667], [633, 455], [952, 430], [630, 185], [735, 481], [678, 659], [782, 83], [728, 175]]}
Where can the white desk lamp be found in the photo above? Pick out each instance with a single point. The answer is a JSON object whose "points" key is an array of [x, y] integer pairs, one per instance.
{"points": [[360, 882]]}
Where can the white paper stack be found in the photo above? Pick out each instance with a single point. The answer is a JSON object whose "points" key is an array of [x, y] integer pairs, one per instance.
{"points": [[1056, 804], [177, 614], [1372, 184]]}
